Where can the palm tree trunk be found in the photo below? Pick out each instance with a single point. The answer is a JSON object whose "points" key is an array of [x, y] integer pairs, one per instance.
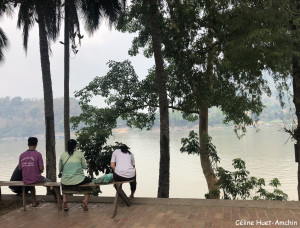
{"points": [[67, 75], [164, 165], [48, 101]]}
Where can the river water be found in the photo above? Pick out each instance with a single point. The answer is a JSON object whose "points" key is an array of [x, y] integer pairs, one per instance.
{"points": [[268, 154]]}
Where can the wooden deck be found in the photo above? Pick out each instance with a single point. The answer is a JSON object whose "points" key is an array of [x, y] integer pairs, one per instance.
{"points": [[157, 213]]}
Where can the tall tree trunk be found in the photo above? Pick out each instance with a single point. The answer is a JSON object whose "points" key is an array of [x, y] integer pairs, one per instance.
{"points": [[67, 74], [164, 165], [207, 169], [48, 101], [296, 83], [296, 88]]}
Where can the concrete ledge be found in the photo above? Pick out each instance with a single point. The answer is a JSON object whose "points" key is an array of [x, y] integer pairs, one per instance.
{"points": [[174, 201]]}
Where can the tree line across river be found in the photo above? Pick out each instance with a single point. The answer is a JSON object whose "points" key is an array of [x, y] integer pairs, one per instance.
{"points": [[25, 117]]}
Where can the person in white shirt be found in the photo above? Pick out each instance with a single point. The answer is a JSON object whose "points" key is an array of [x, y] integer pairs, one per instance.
{"points": [[123, 164]]}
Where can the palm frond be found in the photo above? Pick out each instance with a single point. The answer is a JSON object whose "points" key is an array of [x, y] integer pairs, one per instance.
{"points": [[52, 14], [94, 12], [3, 43], [6, 8], [26, 20], [28, 15], [74, 18]]}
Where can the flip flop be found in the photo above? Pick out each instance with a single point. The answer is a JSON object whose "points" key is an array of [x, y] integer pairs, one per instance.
{"points": [[66, 208], [36, 204], [84, 207]]}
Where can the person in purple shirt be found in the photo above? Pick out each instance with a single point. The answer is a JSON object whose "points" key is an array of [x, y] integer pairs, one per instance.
{"points": [[32, 165]]}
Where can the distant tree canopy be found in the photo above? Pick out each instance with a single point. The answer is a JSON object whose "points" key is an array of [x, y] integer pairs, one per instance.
{"points": [[24, 117]]}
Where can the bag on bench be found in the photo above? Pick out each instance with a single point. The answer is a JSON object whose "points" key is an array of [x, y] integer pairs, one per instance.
{"points": [[105, 179]]}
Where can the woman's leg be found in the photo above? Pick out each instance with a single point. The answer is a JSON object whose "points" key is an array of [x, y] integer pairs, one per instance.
{"points": [[86, 199], [84, 204], [132, 188], [132, 184], [65, 202]]}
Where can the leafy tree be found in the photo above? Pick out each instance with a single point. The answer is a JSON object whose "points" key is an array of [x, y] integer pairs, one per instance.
{"points": [[284, 64], [164, 164], [294, 9], [97, 123], [92, 136], [150, 13], [214, 58], [215, 54]]}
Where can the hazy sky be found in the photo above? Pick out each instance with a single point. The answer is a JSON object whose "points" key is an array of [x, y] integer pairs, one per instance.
{"points": [[20, 75]]}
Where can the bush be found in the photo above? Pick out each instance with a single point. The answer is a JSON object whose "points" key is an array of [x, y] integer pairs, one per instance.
{"points": [[239, 185]]}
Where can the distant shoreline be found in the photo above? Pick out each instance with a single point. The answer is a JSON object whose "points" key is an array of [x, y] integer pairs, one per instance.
{"points": [[125, 130]]}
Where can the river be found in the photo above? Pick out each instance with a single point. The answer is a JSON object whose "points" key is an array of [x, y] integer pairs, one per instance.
{"points": [[268, 154]]}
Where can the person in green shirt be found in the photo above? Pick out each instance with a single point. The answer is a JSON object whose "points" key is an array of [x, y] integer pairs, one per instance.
{"points": [[71, 165]]}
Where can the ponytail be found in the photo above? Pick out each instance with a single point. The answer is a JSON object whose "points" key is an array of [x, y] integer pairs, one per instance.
{"points": [[71, 146], [125, 149]]}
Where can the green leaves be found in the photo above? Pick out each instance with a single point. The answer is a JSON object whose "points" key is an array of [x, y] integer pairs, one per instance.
{"points": [[191, 145], [128, 98], [239, 185]]}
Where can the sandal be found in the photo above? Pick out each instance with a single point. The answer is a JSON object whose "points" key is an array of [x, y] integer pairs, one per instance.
{"points": [[65, 207], [84, 207], [36, 204]]}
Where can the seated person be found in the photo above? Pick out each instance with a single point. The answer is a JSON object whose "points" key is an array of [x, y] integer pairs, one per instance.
{"points": [[123, 164], [17, 176], [71, 165], [31, 164]]}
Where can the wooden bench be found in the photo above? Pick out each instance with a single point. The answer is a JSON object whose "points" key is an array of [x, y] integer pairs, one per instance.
{"points": [[119, 193], [55, 185]]}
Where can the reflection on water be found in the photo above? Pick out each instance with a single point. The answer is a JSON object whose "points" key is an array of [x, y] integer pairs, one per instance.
{"points": [[265, 153]]}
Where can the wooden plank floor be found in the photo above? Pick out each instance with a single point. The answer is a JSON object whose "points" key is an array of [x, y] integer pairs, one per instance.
{"points": [[145, 215]]}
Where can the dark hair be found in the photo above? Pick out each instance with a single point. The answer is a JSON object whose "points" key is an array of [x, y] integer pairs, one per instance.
{"points": [[71, 146], [125, 149], [32, 141]]}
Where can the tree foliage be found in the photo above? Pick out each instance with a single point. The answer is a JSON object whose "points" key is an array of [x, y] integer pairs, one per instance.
{"points": [[239, 185], [244, 44], [124, 95], [25, 117], [215, 56]]}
